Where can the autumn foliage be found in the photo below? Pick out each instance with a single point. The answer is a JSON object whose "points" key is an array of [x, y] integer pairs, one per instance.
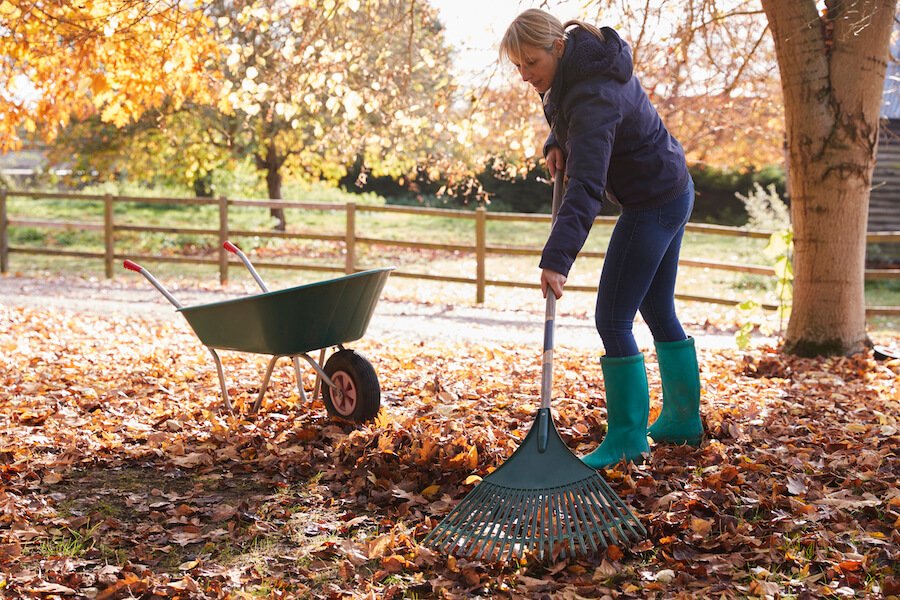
{"points": [[118, 59], [304, 88], [121, 477]]}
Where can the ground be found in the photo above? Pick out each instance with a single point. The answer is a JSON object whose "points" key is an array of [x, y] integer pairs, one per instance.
{"points": [[122, 476], [402, 314]]}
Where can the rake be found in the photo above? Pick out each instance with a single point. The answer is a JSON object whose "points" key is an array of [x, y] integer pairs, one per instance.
{"points": [[543, 500]]}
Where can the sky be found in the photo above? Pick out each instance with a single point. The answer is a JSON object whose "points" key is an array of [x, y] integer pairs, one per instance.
{"points": [[474, 28]]}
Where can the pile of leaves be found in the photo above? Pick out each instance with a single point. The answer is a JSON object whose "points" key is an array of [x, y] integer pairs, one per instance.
{"points": [[121, 476]]}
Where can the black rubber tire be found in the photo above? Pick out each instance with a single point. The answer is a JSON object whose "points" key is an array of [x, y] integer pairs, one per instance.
{"points": [[356, 376]]}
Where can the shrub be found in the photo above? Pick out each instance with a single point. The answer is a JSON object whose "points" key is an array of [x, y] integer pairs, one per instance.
{"points": [[765, 208]]}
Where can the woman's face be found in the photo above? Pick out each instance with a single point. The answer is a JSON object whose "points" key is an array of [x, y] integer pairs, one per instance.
{"points": [[537, 66]]}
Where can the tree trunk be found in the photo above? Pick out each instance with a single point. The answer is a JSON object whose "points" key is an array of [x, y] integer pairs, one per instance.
{"points": [[271, 164], [203, 187], [273, 185], [832, 72]]}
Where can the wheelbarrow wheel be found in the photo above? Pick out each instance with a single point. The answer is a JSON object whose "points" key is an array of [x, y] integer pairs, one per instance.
{"points": [[358, 394]]}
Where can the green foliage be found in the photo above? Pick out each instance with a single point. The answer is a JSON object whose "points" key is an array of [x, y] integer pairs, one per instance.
{"points": [[717, 200], [527, 190], [767, 210], [242, 180], [780, 250], [753, 313], [127, 187], [328, 194], [168, 148], [26, 235], [738, 180]]}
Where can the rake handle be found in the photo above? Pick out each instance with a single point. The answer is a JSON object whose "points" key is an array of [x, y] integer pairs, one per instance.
{"points": [[549, 328], [550, 312]]}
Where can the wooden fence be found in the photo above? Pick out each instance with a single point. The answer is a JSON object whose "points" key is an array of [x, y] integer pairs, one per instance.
{"points": [[481, 249]]}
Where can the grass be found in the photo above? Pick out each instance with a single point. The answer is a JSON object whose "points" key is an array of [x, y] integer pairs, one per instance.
{"points": [[71, 544], [736, 287]]}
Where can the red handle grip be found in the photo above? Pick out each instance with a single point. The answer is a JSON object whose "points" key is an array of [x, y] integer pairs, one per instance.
{"points": [[230, 247], [132, 266]]}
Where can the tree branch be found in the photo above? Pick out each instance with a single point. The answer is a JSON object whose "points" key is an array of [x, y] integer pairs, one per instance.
{"points": [[729, 87]]}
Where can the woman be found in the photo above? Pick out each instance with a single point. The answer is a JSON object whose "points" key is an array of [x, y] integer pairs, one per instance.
{"points": [[610, 142]]}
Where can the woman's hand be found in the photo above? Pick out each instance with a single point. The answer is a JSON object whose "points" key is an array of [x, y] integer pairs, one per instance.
{"points": [[555, 161], [553, 280]]}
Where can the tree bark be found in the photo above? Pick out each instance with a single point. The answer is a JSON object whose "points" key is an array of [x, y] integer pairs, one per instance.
{"points": [[271, 163], [832, 72], [203, 186], [273, 185]]}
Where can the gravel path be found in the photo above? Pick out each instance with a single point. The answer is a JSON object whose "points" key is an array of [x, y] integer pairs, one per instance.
{"points": [[394, 319]]}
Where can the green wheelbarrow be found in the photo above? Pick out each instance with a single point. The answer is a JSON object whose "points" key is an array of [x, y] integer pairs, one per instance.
{"points": [[292, 323]]}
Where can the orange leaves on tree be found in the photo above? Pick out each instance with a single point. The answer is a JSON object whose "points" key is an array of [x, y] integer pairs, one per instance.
{"points": [[116, 58]]}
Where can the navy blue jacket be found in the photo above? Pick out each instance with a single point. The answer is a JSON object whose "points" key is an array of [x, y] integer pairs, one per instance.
{"points": [[613, 140]]}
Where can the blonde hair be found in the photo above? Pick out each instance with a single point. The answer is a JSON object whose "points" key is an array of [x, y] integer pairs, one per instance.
{"points": [[538, 29]]}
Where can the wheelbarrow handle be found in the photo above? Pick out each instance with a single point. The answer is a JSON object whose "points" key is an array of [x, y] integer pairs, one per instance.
{"points": [[232, 247], [133, 266], [237, 251]]}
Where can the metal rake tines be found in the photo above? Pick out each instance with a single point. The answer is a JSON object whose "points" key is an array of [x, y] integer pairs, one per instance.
{"points": [[495, 522]]}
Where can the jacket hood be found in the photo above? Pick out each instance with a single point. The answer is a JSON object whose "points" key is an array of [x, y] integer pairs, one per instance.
{"points": [[591, 57], [587, 57]]}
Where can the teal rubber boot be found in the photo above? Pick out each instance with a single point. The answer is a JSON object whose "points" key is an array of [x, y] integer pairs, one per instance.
{"points": [[627, 409], [679, 421]]}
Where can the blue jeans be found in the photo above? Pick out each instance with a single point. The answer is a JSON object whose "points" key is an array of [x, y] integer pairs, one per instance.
{"points": [[639, 273]]}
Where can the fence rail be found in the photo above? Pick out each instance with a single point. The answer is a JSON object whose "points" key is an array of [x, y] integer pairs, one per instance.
{"points": [[481, 249]]}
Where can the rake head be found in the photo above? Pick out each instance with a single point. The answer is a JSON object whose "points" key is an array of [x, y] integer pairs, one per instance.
{"points": [[542, 501]]}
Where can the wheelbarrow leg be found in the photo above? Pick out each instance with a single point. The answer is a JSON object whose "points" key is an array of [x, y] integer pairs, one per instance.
{"points": [[321, 375], [318, 386], [265, 385], [132, 266], [221, 379], [296, 362]]}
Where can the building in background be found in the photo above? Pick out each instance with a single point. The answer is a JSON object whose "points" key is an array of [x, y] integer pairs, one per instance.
{"points": [[884, 202]]}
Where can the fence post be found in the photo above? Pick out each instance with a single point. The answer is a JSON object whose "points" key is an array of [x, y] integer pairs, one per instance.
{"points": [[223, 237], [480, 252], [108, 235], [350, 239], [4, 234]]}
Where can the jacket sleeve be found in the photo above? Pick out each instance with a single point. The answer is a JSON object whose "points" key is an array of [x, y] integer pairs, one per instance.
{"points": [[592, 123], [551, 141]]}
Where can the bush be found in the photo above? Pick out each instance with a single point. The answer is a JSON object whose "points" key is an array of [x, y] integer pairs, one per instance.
{"points": [[765, 208], [717, 189], [716, 200], [528, 193]]}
